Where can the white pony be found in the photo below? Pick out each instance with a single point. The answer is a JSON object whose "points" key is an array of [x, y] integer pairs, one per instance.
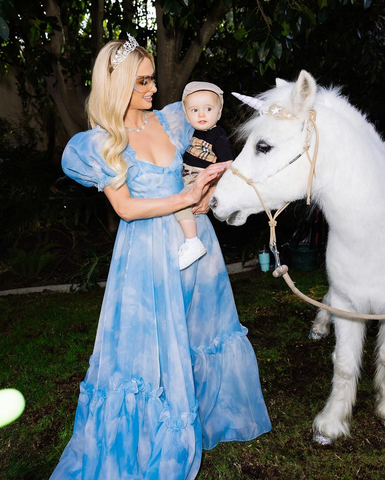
{"points": [[349, 186]]}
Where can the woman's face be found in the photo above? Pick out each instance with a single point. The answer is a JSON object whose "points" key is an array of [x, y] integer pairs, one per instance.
{"points": [[144, 86]]}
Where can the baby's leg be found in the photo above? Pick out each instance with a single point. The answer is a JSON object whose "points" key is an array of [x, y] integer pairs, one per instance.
{"points": [[188, 226], [192, 248]]}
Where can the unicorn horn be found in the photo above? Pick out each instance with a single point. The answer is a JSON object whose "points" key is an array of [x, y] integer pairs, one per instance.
{"points": [[250, 101]]}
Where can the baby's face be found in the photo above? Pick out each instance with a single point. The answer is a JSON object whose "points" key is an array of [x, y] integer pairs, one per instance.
{"points": [[203, 109]]}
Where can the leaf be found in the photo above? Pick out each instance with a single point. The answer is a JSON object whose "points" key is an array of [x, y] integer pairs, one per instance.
{"points": [[242, 52], [277, 50], [4, 29], [33, 36], [263, 51], [285, 28], [271, 63], [239, 34], [323, 15], [367, 3], [311, 17]]}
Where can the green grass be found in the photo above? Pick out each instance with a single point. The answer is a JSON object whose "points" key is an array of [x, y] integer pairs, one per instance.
{"points": [[47, 339]]}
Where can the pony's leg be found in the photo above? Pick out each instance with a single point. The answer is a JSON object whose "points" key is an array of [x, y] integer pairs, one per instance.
{"points": [[333, 421], [379, 379], [321, 324]]}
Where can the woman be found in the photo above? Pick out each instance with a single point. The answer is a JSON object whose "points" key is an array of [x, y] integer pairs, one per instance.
{"points": [[172, 370]]}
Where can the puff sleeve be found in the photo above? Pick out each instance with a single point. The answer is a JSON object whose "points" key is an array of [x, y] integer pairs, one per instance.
{"points": [[82, 160], [173, 119]]}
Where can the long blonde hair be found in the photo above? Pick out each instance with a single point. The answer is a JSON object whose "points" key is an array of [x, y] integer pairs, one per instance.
{"points": [[109, 99]]}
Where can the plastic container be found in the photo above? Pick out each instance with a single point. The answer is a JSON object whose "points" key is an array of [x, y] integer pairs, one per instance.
{"points": [[264, 260]]}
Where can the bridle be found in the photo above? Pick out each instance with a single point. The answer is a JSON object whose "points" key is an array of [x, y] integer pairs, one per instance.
{"points": [[310, 127], [282, 270]]}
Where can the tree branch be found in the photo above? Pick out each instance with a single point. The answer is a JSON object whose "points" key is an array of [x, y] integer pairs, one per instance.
{"points": [[216, 14]]}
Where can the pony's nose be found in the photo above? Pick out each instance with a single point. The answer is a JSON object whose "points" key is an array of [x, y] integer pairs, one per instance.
{"points": [[213, 203]]}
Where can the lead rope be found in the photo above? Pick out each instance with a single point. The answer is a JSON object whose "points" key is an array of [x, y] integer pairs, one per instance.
{"points": [[282, 270]]}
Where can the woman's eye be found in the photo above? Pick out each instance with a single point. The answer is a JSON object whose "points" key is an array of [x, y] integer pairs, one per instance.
{"points": [[262, 147]]}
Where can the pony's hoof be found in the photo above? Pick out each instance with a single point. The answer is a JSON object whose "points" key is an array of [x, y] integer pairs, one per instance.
{"points": [[315, 335], [321, 439]]}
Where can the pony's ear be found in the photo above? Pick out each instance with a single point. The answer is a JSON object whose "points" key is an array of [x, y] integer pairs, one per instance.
{"points": [[279, 82], [303, 93]]}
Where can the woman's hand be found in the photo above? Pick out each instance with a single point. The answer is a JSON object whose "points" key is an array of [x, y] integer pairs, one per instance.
{"points": [[203, 182], [203, 205]]}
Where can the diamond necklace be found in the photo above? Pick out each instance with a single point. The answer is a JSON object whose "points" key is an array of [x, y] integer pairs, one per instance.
{"points": [[138, 129]]}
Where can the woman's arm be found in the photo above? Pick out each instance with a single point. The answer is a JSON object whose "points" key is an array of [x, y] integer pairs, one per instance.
{"points": [[130, 208]]}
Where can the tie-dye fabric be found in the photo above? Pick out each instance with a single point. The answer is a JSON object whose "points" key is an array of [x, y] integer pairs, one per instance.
{"points": [[172, 371]]}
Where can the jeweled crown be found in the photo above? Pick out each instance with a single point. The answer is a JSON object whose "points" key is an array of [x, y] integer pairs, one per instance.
{"points": [[123, 51]]}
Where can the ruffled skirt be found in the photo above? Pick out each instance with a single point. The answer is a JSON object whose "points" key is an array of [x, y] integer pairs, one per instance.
{"points": [[172, 370]]}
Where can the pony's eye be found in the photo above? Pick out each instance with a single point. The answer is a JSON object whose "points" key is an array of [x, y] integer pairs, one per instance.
{"points": [[262, 147]]}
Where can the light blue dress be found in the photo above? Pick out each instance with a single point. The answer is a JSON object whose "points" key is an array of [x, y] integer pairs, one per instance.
{"points": [[172, 371]]}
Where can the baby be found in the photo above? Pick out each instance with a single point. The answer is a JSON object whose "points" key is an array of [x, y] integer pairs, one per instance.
{"points": [[202, 104]]}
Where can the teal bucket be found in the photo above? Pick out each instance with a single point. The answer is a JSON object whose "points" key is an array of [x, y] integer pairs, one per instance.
{"points": [[303, 258]]}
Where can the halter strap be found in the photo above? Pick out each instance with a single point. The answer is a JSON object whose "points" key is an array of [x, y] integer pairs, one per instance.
{"points": [[272, 219]]}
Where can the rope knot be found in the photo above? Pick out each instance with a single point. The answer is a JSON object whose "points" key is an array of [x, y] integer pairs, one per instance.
{"points": [[249, 181], [273, 223]]}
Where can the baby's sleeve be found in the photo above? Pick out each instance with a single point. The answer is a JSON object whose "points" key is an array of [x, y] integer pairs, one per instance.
{"points": [[174, 121], [82, 160]]}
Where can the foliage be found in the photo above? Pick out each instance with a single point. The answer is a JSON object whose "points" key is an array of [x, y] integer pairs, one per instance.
{"points": [[88, 275], [52, 44], [25, 180], [35, 196], [339, 42], [48, 339], [30, 264], [347, 49], [39, 207]]}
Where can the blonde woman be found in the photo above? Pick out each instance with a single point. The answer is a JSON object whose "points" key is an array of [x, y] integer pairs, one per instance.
{"points": [[172, 371]]}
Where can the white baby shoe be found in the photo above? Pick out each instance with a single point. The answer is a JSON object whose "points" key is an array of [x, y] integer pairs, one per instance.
{"points": [[189, 253]]}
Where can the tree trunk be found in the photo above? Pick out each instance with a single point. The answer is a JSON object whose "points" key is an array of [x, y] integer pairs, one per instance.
{"points": [[97, 11], [67, 92], [174, 73]]}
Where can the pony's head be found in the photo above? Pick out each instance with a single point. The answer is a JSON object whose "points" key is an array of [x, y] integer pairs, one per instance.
{"points": [[275, 135]]}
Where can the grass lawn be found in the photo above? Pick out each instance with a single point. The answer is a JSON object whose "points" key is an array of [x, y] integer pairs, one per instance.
{"points": [[47, 338]]}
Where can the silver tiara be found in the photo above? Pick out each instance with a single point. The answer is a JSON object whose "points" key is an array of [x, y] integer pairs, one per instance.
{"points": [[123, 51]]}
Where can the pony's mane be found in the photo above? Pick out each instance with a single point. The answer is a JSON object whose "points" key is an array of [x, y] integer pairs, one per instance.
{"points": [[329, 97]]}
